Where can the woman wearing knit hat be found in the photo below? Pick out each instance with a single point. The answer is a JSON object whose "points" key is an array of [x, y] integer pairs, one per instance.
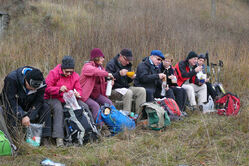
{"points": [[59, 80], [93, 84]]}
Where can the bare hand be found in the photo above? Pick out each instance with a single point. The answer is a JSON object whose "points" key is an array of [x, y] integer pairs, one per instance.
{"points": [[112, 82], [198, 68], [207, 80], [123, 72], [63, 88], [134, 76], [167, 87], [76, 93], [110, 75], [171, 77], [25, 121], [162, 76]]}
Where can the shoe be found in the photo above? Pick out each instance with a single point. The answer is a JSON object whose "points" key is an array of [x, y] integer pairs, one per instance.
{"points": [[104, 131], [195, 108], [59, 142], [46, 141]]}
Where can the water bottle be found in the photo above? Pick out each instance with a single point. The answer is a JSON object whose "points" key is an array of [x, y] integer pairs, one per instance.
{"points": [[109, 87], [163, 92]]}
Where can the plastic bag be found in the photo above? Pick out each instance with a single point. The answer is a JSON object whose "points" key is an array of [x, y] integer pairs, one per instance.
{"points": [[70, 100], [34, 133]]}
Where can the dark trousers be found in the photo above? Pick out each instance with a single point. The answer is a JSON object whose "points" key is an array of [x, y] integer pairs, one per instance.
{"points": [[42, 115], [180, 97], [210, 91]]}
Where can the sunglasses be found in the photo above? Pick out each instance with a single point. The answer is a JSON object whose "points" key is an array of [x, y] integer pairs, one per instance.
{"points": [[35, 84], [68, 71]]}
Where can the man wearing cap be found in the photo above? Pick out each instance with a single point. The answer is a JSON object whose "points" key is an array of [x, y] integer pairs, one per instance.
{"points": [[149, 76], [22, 96], [186, 71], [119, 66]]}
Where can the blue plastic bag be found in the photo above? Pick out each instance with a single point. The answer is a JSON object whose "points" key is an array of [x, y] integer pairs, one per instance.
{"points": [[115, 120]]}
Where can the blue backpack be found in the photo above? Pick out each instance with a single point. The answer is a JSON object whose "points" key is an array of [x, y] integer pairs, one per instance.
{"points": [[114, 119]]}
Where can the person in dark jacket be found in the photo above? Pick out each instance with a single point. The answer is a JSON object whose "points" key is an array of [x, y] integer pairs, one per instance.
{"points": [[23, 97], [179, 94], [186, 72], [149, 76], [119, 66]]}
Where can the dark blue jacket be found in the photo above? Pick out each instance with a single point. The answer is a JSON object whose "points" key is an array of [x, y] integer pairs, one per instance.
{"points": [[113, 66], [147, 76], [16, 98]]}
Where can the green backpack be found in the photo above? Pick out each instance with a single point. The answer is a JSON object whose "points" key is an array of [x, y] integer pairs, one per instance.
{"points": [[5, 146], [156, 116]]}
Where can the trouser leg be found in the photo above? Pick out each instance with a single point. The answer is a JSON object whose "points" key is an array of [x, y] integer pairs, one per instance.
{"points": [[201, 92], [170, 94], [211, 91], [190, 93], [127, 100], [58, 118], [180, 97], [139, 94], [149, 95], [45, 117]]}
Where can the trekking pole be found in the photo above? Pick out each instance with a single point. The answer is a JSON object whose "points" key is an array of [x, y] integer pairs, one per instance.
{"points": [[213, 70], [208, 66]]}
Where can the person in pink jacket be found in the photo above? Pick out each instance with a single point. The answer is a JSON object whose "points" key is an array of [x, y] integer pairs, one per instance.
{"points": [[93, 84], [59, 80]]}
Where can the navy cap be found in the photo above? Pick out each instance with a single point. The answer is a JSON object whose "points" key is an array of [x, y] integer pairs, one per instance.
{"points": [[157, 53]]}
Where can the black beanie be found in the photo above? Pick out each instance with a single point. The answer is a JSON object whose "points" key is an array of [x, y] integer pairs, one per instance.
{"points": [[67, 62], [191, 54], [34, 74]]}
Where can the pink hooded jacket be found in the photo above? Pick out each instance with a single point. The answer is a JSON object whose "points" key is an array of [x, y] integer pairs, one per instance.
{"points": [[87, 79], [55, 80]]}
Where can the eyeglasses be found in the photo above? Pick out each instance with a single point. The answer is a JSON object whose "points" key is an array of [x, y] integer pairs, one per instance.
{"points": [[125, 59], [159, 59], [68, 71]]}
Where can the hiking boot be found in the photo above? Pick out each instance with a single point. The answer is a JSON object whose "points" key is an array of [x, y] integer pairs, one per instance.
{"points": [[195, 108], [105, 132], [59, 142], [46, 141]]}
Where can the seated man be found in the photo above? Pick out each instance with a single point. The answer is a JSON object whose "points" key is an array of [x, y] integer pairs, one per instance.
{"points": [[210, 90], [22, 96], [119, 66], [149, 76], [186, 71]]}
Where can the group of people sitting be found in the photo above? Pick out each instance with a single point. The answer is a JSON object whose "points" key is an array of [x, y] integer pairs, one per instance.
{"points": [[29, 98]]}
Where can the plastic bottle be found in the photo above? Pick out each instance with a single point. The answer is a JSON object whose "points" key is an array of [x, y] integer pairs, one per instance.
{"points": [[109, 87], [48, 162], [164, 84]]}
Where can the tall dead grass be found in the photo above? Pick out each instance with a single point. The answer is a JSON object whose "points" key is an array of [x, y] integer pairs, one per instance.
{"points": [[51, 29]]}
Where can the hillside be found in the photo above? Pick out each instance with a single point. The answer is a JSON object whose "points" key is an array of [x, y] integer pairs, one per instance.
{"points": [[47, 30]]}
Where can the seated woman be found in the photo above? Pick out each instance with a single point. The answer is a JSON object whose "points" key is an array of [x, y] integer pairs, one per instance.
{"points": [[179, 93], [93, 84], [59, 80]]}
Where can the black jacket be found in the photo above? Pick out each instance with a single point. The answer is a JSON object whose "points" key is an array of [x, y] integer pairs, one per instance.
{"points": [[15, 97], [168, 72], [113, 66], [147, 75]]}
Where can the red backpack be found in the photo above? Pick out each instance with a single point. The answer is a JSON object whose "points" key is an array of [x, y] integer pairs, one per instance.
{"points": [[170, 106], [228, 104]]}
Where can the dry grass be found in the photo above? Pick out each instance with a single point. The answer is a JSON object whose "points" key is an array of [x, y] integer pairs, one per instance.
{"points": [[51, 29]]}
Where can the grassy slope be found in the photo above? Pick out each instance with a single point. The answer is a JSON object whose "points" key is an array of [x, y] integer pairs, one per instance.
{"points": [[50, 30]]}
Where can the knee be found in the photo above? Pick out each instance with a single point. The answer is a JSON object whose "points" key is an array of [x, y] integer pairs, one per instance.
{"points": [[129, 93], [141, 91], [94, 106], [82, 104]]}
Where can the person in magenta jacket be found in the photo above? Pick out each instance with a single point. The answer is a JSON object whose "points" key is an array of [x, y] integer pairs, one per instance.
{"points": [[59, 80], [93, 84]]}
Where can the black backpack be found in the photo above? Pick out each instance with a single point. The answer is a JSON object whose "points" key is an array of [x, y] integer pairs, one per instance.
{"points": [[79, 126]]}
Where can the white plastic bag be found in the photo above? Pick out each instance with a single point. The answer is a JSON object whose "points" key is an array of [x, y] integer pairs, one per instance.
{"points": [[70, 100]]}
